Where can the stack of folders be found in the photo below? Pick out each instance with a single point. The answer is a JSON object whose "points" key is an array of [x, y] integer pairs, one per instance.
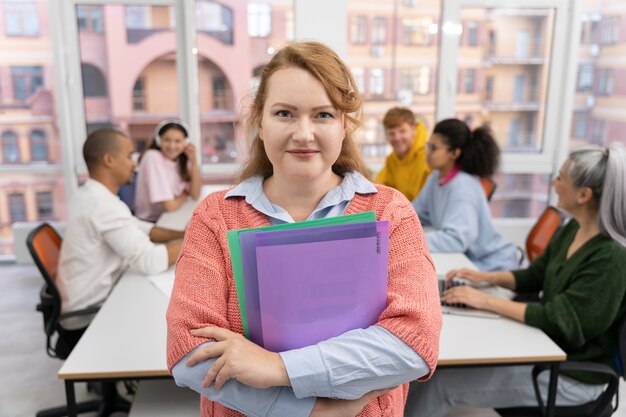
{"points": [[301, 283]]}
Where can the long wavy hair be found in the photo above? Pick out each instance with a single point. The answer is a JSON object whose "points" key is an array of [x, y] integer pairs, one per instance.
{"points": [[325, 65]]}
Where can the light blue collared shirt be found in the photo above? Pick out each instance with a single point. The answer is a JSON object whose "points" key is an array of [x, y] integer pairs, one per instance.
{"points": [[347, 366]]}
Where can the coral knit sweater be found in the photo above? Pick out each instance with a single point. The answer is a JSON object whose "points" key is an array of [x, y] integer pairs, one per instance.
{"points": [[204, 291]]}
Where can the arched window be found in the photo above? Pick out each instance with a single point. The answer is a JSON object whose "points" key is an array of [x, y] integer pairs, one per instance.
{"points": [[38, 145], [10, 149], [94, 84]]}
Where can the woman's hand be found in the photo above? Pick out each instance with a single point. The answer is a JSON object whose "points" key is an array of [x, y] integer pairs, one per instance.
{"points": [[475, 277], [467, 295], [327, 407], [239, 359], [190, 151]]}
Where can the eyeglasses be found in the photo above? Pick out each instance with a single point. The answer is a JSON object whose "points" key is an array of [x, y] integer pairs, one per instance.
{"points": [[431, 147]]}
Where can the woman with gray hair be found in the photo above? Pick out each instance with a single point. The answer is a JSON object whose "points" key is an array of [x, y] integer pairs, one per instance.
{"points": [[582, 274]]}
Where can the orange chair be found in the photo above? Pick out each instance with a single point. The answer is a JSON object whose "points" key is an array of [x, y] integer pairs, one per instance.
{"points": [[549, 222], [489, 185], [44, 245]]}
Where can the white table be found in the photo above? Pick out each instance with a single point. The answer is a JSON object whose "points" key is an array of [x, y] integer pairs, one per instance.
{"points": [[126, 340], [178, 219]]}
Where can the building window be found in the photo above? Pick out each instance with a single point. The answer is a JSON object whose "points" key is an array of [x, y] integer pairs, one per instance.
{"points": [[94, 84], [259, 20], [38, 146], [580, 126], [516, 208], [470, 78], [417, 80], [379, 30], [139, 95], [21, 18], [514, 133], [610, 30], [216, 20], [10, 148], [491, 44], [417, 31], [219, 93], [359, 78], [605, 82], [17, 207], [358, 29], [597, 132], [138, 17], [89, 18], [585, 77], [45, 206], [489, 88], [472, 33], [26, 81], [377, 81]]}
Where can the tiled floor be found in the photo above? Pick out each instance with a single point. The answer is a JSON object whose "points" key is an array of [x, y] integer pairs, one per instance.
{"points": [[28, 376]]}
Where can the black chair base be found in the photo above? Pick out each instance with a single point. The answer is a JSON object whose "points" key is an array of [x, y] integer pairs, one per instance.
{"points": [[110, 403], [575, 411]]}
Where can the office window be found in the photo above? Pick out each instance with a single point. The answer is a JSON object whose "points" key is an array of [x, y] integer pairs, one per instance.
{"points": [[26, 81], [470, 78], [10, 148], [418, 31], [21, 18], [139, 95], [89, 18], [45, 207], [472, 33], [585, 77], [377, 81], [17, 207], [38, 146], [605, 82], [259, 20], [358, 29], [359, 78], [94, 84], [379, 30]]}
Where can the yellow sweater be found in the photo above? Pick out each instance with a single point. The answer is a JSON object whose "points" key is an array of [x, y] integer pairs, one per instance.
{"points": [[407, 175]]}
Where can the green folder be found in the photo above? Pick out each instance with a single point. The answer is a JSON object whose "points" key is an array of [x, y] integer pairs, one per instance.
{"points": [[235, 249]]}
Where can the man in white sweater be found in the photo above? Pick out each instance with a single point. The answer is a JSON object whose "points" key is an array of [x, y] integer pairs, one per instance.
{"points": [[102, 238]]}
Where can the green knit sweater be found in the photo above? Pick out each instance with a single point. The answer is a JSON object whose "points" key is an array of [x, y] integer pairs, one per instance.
{"points": [[583, 297]]}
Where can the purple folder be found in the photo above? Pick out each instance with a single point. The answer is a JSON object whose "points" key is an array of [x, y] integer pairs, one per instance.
{"points": [[250, 240], [310, 292]]}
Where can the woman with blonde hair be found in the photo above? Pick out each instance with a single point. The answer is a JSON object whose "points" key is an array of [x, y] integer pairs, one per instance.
{"points": [[304, 164]]}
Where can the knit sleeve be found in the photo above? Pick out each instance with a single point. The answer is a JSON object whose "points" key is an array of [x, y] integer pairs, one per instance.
{"points": [[200, 294], [413, 312], [575, 316]]}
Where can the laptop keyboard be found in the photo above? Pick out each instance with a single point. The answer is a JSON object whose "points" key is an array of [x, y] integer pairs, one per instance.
{"points": [[442, 288]]}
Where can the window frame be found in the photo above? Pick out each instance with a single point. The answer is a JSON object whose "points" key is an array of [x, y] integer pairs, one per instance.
{"points": [[561, 75]]}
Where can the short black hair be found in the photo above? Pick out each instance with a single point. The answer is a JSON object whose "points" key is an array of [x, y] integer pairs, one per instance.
{"points": [[98, 143]]}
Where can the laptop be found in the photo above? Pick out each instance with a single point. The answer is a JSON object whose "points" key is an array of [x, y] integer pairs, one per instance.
{"points": [[462, 309]]}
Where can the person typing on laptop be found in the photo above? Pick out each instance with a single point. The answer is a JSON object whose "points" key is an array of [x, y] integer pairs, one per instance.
{"points": [[586, 259]]}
